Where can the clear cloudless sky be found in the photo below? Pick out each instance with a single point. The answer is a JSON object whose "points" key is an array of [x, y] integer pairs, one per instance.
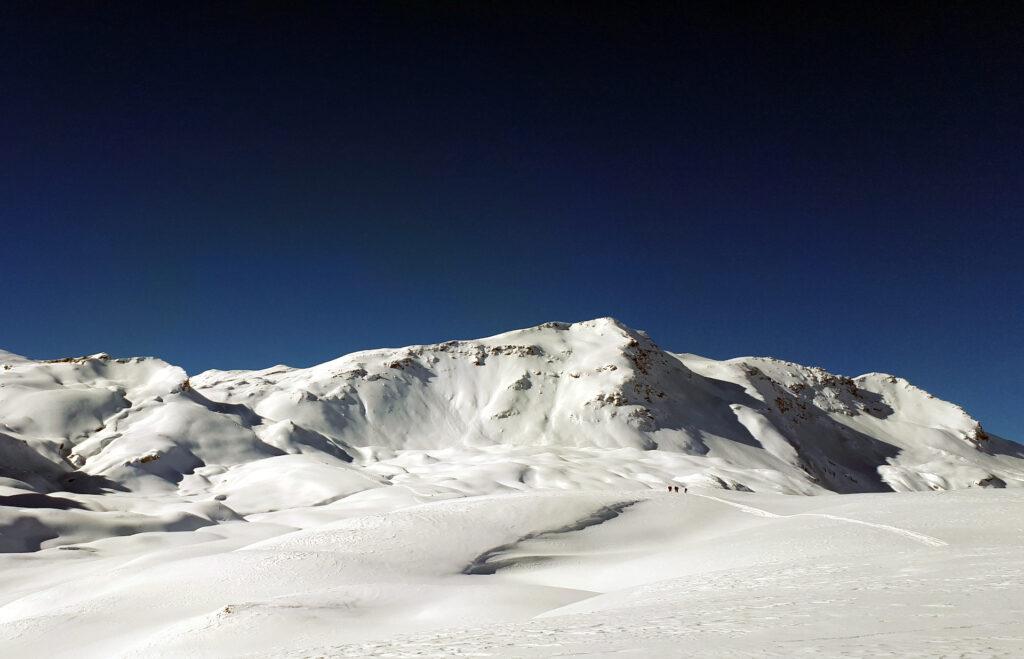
{"points": [[239, 185]]}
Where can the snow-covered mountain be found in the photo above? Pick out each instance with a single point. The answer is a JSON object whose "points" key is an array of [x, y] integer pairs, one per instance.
{"points": [[501, 497], [568, 406]]}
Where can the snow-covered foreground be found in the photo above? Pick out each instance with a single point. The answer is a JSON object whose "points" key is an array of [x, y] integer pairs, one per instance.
{"points": [[638, 573]]}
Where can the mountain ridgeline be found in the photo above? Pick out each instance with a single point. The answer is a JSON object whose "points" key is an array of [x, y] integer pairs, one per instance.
{"points": [[573, 406]]}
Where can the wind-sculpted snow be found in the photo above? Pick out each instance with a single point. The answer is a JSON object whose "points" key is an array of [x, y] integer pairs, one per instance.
{"points": [[583, 406], [504, 556]]}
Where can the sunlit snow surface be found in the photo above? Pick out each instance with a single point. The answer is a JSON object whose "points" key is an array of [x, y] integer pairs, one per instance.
{"points": [[708, 573], [505, 496]]}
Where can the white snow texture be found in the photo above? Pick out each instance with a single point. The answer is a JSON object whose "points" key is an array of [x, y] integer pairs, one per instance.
{"points": [[504, 496]]}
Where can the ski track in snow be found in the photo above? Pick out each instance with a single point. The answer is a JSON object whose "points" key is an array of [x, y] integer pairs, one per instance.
{"points": [[913, 535]]}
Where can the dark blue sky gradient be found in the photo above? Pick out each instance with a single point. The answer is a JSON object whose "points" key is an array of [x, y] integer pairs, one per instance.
{"points": [[237, 188]]}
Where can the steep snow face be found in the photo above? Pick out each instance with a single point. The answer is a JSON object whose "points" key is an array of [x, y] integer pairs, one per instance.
{"points": [[875, 431], [594, 385], [567, 406]]}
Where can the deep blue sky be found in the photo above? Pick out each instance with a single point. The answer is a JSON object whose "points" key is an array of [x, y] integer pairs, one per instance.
{"points": [[233, 189]]}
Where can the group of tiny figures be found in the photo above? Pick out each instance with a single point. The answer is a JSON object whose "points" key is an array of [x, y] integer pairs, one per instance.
{"points": [[675, 488]]}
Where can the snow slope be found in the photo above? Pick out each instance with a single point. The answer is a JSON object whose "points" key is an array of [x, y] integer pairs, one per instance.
{"points": [[505, 496], [709, 573]]}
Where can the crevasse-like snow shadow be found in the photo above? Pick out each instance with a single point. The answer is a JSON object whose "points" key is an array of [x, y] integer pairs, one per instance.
{"points": [[490, 562]]}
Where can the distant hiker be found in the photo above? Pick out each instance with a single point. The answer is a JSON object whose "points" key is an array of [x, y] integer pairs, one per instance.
{"points": [[676, 488], [684, 489], [669, 488]]}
